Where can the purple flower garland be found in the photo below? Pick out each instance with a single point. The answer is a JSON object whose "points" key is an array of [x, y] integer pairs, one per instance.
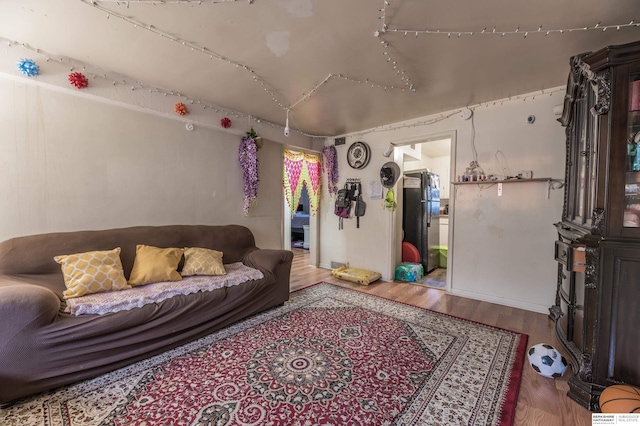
{"points": [[248, 158], [330, 165]]}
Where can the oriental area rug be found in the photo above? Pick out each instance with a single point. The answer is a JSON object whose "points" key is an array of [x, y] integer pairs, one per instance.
{"points": [[329, 356]]}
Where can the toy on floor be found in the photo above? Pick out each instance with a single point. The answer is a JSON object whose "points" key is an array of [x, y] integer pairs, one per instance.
{"points": [[360, 276], [620, 399], [547, 361], [409, 271], [410, 253]]}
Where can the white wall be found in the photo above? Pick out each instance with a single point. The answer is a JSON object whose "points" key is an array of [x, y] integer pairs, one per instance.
{"points": [[502, 247], [70, 163], [115, 154]]}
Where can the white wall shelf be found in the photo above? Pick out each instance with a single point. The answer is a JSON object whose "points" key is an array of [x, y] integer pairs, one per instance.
{"points": [[551, 183], [491, 182]]}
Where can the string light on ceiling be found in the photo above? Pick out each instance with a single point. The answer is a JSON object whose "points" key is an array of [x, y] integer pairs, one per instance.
{"points": [[134, 85], [456, 113], [367, 82], [267, 87], [404, 78], [517, 31], [194, 48], [170, 1], [96, 72], [212, 55], [385, 28], [406, 83]]}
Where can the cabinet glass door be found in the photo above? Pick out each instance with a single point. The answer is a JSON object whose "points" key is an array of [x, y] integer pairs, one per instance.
{"points": [[632, 181]]}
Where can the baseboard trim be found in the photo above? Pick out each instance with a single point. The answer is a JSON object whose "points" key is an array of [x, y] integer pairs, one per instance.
{"points": [[534, 307]]}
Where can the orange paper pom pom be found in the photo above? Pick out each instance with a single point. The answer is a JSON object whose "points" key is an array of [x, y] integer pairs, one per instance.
{"points": [[181, 109]]}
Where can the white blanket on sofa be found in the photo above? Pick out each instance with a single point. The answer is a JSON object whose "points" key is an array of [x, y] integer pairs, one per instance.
{"points": [[123, 300]]}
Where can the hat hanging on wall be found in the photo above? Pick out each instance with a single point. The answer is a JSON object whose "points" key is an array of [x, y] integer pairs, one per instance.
{"points": [[389, 174]]}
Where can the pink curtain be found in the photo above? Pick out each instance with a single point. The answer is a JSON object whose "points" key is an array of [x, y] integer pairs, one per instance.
{"points": [[300, 168]]}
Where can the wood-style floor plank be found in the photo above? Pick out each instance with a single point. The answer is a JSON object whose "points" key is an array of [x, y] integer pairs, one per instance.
{"points": [[541, 401]]}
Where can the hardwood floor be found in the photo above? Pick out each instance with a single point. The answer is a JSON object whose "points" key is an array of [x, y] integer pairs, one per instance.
{"points": [[541, 401]]}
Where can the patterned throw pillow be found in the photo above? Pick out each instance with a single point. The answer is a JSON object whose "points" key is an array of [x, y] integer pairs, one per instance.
{"points": [[154, 264], [92, 272], [202, 261]]}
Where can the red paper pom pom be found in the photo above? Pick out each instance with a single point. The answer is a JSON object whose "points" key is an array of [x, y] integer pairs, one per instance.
{"points": [[78, 79], [181, 109], [225, 122]]}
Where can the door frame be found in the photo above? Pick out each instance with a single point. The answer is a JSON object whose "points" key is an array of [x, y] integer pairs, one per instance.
{"points": [[395, 251]]}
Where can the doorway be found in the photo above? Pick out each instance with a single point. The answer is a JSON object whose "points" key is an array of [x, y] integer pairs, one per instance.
{"points": [[300, 235], [429, 155], [300, 222]]}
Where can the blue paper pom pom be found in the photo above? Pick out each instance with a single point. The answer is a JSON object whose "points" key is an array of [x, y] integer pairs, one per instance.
{"points": [[28, 67]]}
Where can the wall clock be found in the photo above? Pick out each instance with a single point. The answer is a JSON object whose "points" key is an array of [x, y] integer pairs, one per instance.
{"points": [[358, 155]]}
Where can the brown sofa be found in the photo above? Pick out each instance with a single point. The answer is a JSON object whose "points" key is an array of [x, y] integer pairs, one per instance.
{"points": [[42, 347]]}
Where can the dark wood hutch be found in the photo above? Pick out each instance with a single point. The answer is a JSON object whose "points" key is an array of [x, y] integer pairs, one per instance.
{"points": [[596, 310]]}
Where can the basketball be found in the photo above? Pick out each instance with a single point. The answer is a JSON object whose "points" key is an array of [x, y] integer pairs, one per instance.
{"points": [[620, 399]]}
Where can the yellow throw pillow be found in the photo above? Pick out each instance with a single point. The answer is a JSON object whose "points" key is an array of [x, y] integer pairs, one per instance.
{"points": [[92, 272], [202, 261], [154, 264]]}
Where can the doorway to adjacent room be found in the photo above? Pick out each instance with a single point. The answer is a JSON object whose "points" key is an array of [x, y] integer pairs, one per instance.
{"points": [[432, 155], [300, 237], [300, 224]]}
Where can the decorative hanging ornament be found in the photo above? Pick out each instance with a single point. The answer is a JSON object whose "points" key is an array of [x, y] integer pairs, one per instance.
{"points": [[225, 122], [251, 134], [28, 67], [389, 202], [248, 158], [78, 79], [330, 166], [181, 109]]}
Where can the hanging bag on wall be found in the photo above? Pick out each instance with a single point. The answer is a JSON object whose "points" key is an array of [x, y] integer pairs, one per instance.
{"points": [[342, 207], [361, 206]]}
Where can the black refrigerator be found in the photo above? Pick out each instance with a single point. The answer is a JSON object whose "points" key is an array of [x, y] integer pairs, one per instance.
{"points": [[421, 216]]}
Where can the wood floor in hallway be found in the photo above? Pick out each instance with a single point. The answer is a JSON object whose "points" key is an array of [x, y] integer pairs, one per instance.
{"points": [[541, 401]]}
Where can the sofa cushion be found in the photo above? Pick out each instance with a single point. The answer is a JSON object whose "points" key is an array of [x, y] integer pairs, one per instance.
{"points": [[202, 261], [155, 264], [139, 296], [92, 272]]}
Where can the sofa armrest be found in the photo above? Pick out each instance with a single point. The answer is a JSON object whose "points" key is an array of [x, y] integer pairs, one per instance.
{"points": [[24, 307], [267, 260], [276, 267]]}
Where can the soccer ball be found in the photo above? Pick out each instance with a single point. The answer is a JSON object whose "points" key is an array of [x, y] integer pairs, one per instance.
{"points": [[547, 361]]}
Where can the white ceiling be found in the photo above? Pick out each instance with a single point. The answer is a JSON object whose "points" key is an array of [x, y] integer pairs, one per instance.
{"points": [[321, 58]]}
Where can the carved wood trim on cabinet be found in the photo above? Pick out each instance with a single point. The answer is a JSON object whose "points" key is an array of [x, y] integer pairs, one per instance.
{"points": [[595, 310]]}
